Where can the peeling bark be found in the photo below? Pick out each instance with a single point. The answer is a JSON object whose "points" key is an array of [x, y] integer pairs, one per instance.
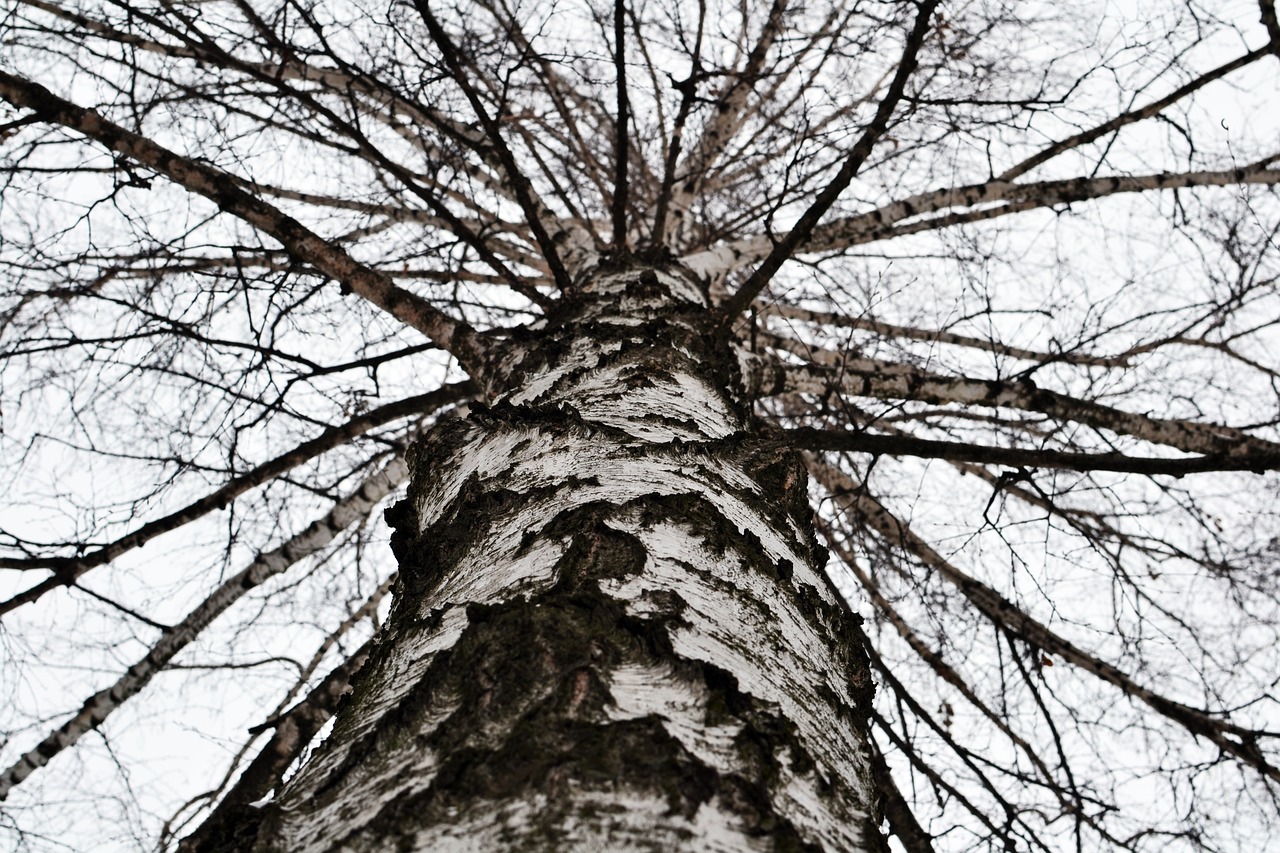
{"points": [[613, 630]]}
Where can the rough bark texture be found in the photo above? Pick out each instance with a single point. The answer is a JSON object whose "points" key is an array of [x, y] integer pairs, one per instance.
{"points": [[613, 629]]}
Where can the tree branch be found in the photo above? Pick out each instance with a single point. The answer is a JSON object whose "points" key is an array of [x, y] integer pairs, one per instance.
{"points": [[688, 90], [892, 330], [453, 58], [1269, 20], [879, 379], [1132, 116], [102, 704], [68, 569], [1238, 741], [293, 731], [901, 445], [797, 236], [224, 190], [721, 127], [885, 222], [620, 137]]}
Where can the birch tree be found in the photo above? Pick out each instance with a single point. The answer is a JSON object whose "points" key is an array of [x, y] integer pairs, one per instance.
{"points": [[671, 425]]}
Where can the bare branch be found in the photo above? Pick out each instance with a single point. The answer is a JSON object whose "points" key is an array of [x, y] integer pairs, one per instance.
{"points": [[873, 378], [1004, 198], [1269, 20], [723, 124], [620, 132], [900, 445], [67, 570], [1132, 116], [102, 704], [1239, 741], [799, 235], [453, 335], [460, 70], [941, 336]]}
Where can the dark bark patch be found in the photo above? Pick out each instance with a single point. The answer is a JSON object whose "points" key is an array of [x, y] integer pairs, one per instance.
{"points": [[236, 833], [598, 552], [533, 682]]}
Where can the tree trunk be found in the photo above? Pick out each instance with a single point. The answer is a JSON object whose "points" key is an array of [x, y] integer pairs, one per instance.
{"points": [[613, 630]]}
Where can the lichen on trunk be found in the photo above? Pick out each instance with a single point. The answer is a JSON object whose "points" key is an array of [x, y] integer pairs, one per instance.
{"points": [[613, 630]]}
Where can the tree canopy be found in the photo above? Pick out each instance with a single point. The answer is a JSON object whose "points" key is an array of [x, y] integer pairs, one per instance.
{"points": [[1005, 273]]}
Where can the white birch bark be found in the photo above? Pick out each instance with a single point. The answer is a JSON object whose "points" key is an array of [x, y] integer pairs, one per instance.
{"points": [[613, 629]]}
